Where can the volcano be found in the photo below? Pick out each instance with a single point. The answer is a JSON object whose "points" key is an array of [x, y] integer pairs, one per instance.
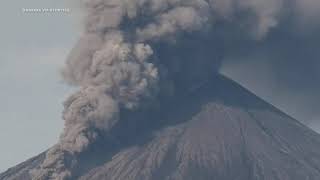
{"points": [[216, 130]]}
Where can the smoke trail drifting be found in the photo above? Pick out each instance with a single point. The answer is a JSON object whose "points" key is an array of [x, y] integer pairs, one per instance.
{"points": [[134, 50]]}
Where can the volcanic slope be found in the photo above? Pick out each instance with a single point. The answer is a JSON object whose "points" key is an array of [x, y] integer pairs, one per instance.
{"points": [[216, 130]]}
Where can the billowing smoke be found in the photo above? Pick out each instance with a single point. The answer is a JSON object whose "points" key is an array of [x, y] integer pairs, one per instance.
{"points": [[134, 51]]}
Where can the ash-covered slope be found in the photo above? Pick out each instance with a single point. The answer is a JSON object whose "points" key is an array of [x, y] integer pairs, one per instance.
{"points": [[217, 130]]}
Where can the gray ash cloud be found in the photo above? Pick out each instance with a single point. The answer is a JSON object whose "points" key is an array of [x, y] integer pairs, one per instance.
{"points": [[133, 51]]}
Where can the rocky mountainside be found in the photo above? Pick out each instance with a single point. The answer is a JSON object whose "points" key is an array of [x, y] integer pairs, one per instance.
{"points": [[217, 130]]}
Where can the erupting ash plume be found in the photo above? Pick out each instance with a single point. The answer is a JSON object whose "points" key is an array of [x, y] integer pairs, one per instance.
{"points": [[133, 51]]}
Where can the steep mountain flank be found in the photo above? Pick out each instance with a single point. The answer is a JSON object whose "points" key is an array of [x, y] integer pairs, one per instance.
{"points": [[217, 130]]}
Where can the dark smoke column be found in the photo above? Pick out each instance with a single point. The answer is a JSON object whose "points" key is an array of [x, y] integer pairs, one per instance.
{"points": [[117, 65]]}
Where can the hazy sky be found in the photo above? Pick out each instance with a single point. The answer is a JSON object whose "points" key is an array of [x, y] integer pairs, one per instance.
{"points": [[284, 70], [33, 49]]}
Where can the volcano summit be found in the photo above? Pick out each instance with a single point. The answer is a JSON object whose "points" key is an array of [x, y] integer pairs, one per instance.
{"points": [[218, 130], [151, 104]]}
